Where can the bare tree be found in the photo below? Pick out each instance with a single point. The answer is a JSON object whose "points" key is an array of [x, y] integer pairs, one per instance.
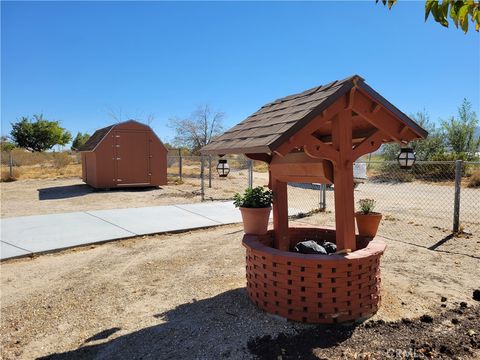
{"points": [[199, 129], [118, 115]]}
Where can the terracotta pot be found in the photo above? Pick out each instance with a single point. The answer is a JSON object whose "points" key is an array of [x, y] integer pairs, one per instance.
{"points": [[255, 220], [367, 224]]}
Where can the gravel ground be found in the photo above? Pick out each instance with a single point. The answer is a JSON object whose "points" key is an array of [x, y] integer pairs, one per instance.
{"points": [[177, 296]]}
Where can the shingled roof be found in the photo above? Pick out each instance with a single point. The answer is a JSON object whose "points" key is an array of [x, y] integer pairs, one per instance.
{"points": [[275, 122], [96, 138]]}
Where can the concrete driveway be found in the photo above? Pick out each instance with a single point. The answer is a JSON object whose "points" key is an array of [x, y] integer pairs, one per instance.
{"points": [[26, 235]]}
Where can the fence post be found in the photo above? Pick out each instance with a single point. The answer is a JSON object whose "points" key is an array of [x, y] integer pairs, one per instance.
{"points": [[323, 197], [250, 173], [202, 177], [10, 163], [180, 175], [209, 171], [456, 207]]}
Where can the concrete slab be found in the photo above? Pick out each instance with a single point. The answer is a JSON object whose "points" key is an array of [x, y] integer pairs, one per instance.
{"points": [[8, 251], [31, 234], [155, 219], [58, 231], [221, 212]]}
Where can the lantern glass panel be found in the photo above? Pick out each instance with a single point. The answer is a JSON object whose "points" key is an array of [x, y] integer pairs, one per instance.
{"points": [[406, 158], [223, 168]]}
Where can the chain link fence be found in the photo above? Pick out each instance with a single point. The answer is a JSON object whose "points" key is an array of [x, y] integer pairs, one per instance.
{"points": [[439, 195], [423, 196], [20, 163]]}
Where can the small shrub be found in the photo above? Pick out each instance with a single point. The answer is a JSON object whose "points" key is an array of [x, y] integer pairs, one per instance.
{"points": [[61, 160], [474, 180], [7, 177], [254, 198], [366, 206]]}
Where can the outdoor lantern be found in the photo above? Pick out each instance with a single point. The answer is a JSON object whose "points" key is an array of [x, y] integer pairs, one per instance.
{"points": [[222, 168], [406, 158]]}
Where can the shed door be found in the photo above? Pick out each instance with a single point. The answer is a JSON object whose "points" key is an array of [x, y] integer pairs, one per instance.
{"points": [[132, 158]]}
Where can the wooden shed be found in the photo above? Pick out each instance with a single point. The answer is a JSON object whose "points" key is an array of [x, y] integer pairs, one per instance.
{"points": [[127, 154]]}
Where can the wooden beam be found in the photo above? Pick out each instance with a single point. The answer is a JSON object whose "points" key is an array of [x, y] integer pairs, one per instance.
{"points": [[351, 98], [343, 180], [376, 116], [375, 108], [370, 144], [260, 157], [280, 214], [296, 140]]}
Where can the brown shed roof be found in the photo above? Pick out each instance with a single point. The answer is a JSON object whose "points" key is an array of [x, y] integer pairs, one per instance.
{"points": [[96, 138], [100, 134], [276, 122]]}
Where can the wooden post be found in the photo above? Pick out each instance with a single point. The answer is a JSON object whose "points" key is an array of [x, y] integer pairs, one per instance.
{"points": [[209, 171], [343, 180], [280, 214], [180, 164], [456, 203]]}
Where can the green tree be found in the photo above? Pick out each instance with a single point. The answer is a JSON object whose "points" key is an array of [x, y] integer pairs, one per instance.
{"points": [[460, 12], [425, 149], [38, 134], [459, 133], [5, 144], [79, 141]]}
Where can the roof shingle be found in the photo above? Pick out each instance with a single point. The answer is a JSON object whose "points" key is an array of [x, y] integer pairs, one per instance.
{"points": [[275, 122]]}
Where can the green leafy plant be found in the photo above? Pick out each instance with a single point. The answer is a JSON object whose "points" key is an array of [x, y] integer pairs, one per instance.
{"points": [[254, 198], [79, 141], [366, 206], [460, 12], [38, 135]]}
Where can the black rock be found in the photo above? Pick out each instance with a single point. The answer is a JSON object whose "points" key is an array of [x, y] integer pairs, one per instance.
{"points": [[463, 304], [426, 319], [443, 305], [455, 321], [443, 299], [476, 295], [329, 247], [406, 321], [309, 247]]}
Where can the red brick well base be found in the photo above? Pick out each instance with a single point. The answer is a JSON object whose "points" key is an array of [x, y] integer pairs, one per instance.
{"points": [[314, 288]]}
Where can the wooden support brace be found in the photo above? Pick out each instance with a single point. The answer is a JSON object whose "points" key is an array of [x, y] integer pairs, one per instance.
{"points": [[368, 145], [318, 149]]}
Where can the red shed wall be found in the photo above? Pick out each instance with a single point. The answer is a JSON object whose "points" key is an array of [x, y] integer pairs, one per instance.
{"points": [[89, 168], [105, 163], [158, 161]]}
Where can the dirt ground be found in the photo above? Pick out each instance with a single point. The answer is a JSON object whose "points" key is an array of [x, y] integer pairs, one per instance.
{"points": [[182, 296], [48, 196]]}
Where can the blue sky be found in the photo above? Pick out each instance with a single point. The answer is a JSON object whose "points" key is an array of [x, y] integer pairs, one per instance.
{"points": [[78, 61]]}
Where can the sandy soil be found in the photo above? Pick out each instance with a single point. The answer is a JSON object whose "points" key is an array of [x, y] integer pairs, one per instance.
{"points": [[183, 295]]}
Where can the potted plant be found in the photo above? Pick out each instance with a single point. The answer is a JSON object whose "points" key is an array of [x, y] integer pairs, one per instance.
{"points": [[367, 219], [255, 206]]}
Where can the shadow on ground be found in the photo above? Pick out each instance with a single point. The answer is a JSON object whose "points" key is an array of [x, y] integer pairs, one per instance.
{"points": [[218, 327], [70, 191]]}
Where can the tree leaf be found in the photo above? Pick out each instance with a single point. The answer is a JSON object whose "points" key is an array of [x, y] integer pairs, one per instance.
{"points": [[428, 7]]}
